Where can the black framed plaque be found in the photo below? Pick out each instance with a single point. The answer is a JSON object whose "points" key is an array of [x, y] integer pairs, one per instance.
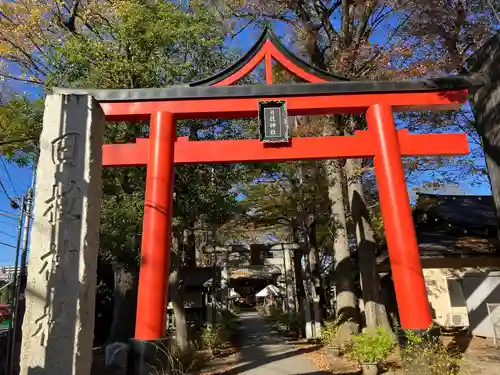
{"points": [[273, 121]]}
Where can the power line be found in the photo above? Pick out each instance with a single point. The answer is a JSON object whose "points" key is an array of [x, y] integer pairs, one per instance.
{"points": [[7, 234], [17, 179], [4, 189], [8, 245], [8, 175], [8, 214], [13, 203], [7, 223]]}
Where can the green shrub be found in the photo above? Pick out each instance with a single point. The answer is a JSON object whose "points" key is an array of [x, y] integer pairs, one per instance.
{"points": [[261, 309], [230, 323], [290, 320], [217, 336], [171, 361], [275, 312], [181, 361], [330, 331], [213, 338], [427, 356], [236, 308], [372, 346]]}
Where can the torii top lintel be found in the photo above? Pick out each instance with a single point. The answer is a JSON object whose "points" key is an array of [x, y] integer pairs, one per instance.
{"points": [[324, 93]]}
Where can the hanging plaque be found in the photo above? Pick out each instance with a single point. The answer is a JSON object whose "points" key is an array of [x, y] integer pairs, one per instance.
{"points": [[273, 121]]}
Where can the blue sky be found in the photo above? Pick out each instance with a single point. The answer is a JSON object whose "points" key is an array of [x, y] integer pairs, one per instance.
{"points": [[468, 185], [21, 177], [9, 218]]}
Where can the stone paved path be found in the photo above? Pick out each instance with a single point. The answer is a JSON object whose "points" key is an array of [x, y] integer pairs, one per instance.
{"points": [[265, 351]]}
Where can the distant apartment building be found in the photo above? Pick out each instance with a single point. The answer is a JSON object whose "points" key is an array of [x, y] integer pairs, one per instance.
{"points": [[6, 273]]}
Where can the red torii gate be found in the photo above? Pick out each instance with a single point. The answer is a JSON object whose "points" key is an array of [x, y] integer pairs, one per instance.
{"points": [[324, 94]]}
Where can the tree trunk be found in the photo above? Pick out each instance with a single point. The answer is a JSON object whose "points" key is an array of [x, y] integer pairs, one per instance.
{"points": [[486, 105], [176, 297], [315, 268], [307, 275], [124, 304], [299, 287], [346, 297], [176, 289], [190, 247], [375, 312]]}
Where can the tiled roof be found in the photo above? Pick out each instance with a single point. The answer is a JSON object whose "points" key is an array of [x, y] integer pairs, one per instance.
{"points": [[463, 210], [254, 272], [454, 225], [197, 277]]}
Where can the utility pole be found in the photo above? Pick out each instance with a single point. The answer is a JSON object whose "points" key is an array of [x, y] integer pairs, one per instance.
{"points": [[20, 305], [14, 299], [23, 274]]}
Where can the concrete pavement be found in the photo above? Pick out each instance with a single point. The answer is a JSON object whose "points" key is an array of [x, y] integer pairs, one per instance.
{"points": [[265, 352]]}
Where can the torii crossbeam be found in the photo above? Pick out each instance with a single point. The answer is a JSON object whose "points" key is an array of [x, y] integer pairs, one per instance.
{"points": [[324, 94]]}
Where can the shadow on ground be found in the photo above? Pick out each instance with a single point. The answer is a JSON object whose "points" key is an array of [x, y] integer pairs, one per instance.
{"points": [[269, 359], [459, 343], [263, 350]]}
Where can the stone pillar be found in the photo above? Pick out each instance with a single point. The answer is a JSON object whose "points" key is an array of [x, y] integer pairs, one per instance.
{"points": [[309, 322], [225, 280], [58, 325], [290, 277], [210, 315], [317, 318]]}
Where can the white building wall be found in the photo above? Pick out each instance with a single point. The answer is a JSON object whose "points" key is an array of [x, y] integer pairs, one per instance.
{"points": [[480, 286]]}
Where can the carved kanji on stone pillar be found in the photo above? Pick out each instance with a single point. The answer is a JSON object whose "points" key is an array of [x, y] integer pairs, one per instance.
{"points": [[60, 293]]}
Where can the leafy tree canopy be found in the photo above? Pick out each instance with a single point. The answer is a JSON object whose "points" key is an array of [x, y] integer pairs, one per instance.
{"points": [[116, 44]]}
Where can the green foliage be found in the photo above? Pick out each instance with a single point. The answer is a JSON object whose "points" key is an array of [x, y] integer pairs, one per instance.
{"points": [[174, 362], [290, 196], [127, 44], [212, 338], [20, 128], [231, 324], [120, 227], [372, 346], [6, 291], [330, 330], [275, 311], [135, 45], [290, 320], [426, 355], [139, 44], [261, 310], [217, 337]]}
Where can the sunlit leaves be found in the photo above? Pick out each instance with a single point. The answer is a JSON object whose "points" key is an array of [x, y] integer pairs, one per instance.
{"points": [[51, 39], [116, 44], [20, 127]]}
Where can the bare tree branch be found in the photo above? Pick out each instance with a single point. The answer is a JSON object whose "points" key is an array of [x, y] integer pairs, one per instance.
{"points": [[25, 80]]}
